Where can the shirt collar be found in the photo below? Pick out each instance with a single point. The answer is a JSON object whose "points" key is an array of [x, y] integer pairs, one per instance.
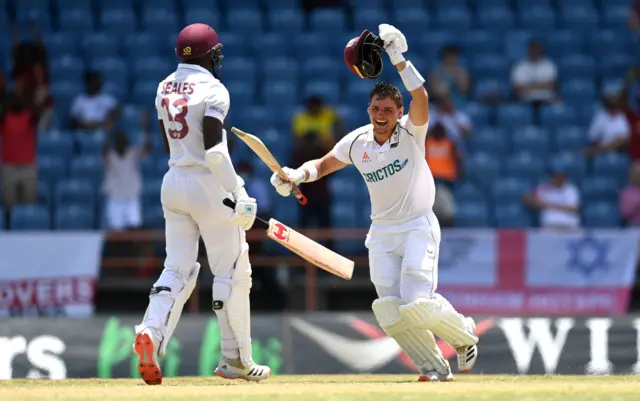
{"points": [[393, 140], [194, 67]]}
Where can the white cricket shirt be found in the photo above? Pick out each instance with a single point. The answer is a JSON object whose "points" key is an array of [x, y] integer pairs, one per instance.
{"points": [[183, 99], [398, 178]]}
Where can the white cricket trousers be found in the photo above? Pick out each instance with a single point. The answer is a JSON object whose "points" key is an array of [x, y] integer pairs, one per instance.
{"points": [[192, 204], [403, 258]]}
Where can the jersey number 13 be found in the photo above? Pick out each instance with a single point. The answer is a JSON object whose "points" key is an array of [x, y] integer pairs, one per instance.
{"points": [[177, 119]]}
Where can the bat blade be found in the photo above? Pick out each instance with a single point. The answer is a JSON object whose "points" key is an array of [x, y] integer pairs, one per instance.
{"points": [[310, 250], [260, 149]]}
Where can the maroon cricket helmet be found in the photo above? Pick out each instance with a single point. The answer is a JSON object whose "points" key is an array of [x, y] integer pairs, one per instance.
{"points": [[363, 55], [199, 40]]}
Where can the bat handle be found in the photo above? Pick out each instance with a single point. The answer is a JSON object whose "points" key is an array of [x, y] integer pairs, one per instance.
{"points": [[299, 196]]}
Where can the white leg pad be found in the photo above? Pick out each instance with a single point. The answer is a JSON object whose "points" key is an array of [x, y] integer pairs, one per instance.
{"points": [[420, 345], [166, 301], [231, 304], [438, 315]]}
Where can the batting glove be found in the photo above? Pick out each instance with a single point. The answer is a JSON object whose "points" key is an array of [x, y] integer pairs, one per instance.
{"points": [[244, 214], [294, 177], [395, 42]]}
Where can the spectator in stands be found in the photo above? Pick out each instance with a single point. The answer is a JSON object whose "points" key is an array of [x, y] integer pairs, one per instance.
{"points": [[94, 109], [630, 197], [123, 178], [450, 77], [256, 187], [534, 78], [317, 212], [557, 200], [631, 97], [18, 133], [320, 120], [31, 74], [609, 130], [457, 123], [444, 160]]}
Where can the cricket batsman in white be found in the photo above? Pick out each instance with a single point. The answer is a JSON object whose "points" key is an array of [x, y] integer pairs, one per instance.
{"points": [[192, 105], [404, 237]]}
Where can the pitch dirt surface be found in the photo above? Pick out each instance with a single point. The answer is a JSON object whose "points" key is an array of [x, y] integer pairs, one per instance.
{"points": [[332, 388]]}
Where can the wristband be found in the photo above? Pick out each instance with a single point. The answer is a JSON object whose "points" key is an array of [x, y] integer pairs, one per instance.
{"points": [[313, 171], [411, 78]]}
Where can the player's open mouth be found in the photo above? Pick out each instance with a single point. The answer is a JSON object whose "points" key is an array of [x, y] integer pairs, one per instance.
{"points": [[380, 123]]}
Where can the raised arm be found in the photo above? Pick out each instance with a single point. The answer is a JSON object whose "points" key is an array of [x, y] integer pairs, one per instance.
{"points": [[395, 46]]}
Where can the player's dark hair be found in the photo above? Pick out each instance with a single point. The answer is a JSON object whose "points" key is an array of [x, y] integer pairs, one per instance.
{"points": [[385, 90]]}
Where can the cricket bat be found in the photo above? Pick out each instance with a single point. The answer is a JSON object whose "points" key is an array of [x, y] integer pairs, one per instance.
{"points": [[260, 149], [304, 247]]}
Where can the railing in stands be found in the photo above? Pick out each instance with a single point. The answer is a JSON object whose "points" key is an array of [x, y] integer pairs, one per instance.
{"points": [[146, 237]]}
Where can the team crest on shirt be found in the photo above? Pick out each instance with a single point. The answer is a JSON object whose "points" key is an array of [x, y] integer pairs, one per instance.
{"points": [[366, 158]]}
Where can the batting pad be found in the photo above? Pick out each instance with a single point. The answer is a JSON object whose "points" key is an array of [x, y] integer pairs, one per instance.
{"points": [[231, 303], [420, 345], [438, 315]]}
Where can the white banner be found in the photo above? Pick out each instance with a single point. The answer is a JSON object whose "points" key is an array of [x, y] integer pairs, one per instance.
{"points": [[468, 257], [49, 274]]}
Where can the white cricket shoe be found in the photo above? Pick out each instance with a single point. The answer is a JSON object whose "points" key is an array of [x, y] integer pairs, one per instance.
{"points": [[468, 354], [429, 374], [234, 369], [147, 346]]}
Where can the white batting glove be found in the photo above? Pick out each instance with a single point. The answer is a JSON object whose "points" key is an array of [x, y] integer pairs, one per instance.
{"points": [[395, 42], [244, 214], [294, 177]]}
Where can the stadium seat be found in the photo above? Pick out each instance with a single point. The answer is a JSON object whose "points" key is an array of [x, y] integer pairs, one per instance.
{"points": [[525, 165], [580, 19], [151, 192], [280, 69], [516, 44], [615, 17], [153, 216], [369, 17], [614, 65], [67, 68], [468, 193], [100, 44], [144, 92], [599, 189], [235, 45], [239, 69], [52, 168], [579, 91], [446, 4], [201, 15], [510, 189], [570, 138], [343, 215], [41, 17], [65, 91], [30, 217], [154, 17], [87, 167], [555, 116], [538, 19], [514, 115], [166, 5], [574, 66], [76, 191], [495, 19], [328, 20], [280, 93], [256, 119], [322, 67], [342, 188], [60, 44], [512, 215], [242, 4], [74, 217], [531, 139], [491, 87], [486, 41], [491, 141], [454, 19], [55, 143], [311, 45], [242, 92], [75, 21], [283, 4], [82, 5], [109, 5], [482, 169], [433, 41], [575, 165], [155, 69], [607, 42], [560, 43], [601, 215], [478, 113], [25, 5], [471, 215], [611, 165], [413, 20], [285, 21], [245, 20], [199, 4], [378, 4], [92, 143], [270, 45], [486, 66], [118, 20], [112, 69]]}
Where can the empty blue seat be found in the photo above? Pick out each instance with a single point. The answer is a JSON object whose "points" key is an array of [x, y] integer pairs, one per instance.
{"points": [[108, 5], [75, 21], [484, 42], [358, 90], [613, 165], [155, 68], [283, 93], [251, 4], [538, 19], [328, 90], [582, 19], [64, 92], [615, 17], [531, 139], [235, 45], [433, 41], [379, 4], [87, 167], [66, 68], [74, 217], [118, 20], [322, 67], [601, 215], [445, 4], [166, 5], [283, 4], [557, 115], [614, 64], [512, 215], [112, 69], [30, 217], [510, 189], [285, 21], [573, 163], [142, 44], [526, 5], [76, 191], [525, 165], [280, 69], [151, 191], [467, 193], [83, 5], [242, 92], [239, 69], [154, 17], [597, 189], [55, 143], [570, 138], [516, 44], [269, 45], [560, 43], [153, 216], [471, 214], [495, 19], [607, 42], [491, 87], [342, 188], [328, 20], [579, 91], [343, 215], [201, 15], [45, 197], [25, 5], [311, 45], [413, 20], [577, 66], [482, 169], [478, 113], [487, 66], [245, 20], [454, 19], [52, 168], [59, 44], [41, 17], [490, 141], [191, 4], [368, 17], [514, 115], [100, 44]]}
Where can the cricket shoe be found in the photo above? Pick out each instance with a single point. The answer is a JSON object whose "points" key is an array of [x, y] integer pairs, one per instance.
{"points": [[429, 374], [147, 346], [468, 354], [232, 368]]}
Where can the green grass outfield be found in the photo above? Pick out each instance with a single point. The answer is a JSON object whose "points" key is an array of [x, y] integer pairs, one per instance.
{"points": [[332, 387]]}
